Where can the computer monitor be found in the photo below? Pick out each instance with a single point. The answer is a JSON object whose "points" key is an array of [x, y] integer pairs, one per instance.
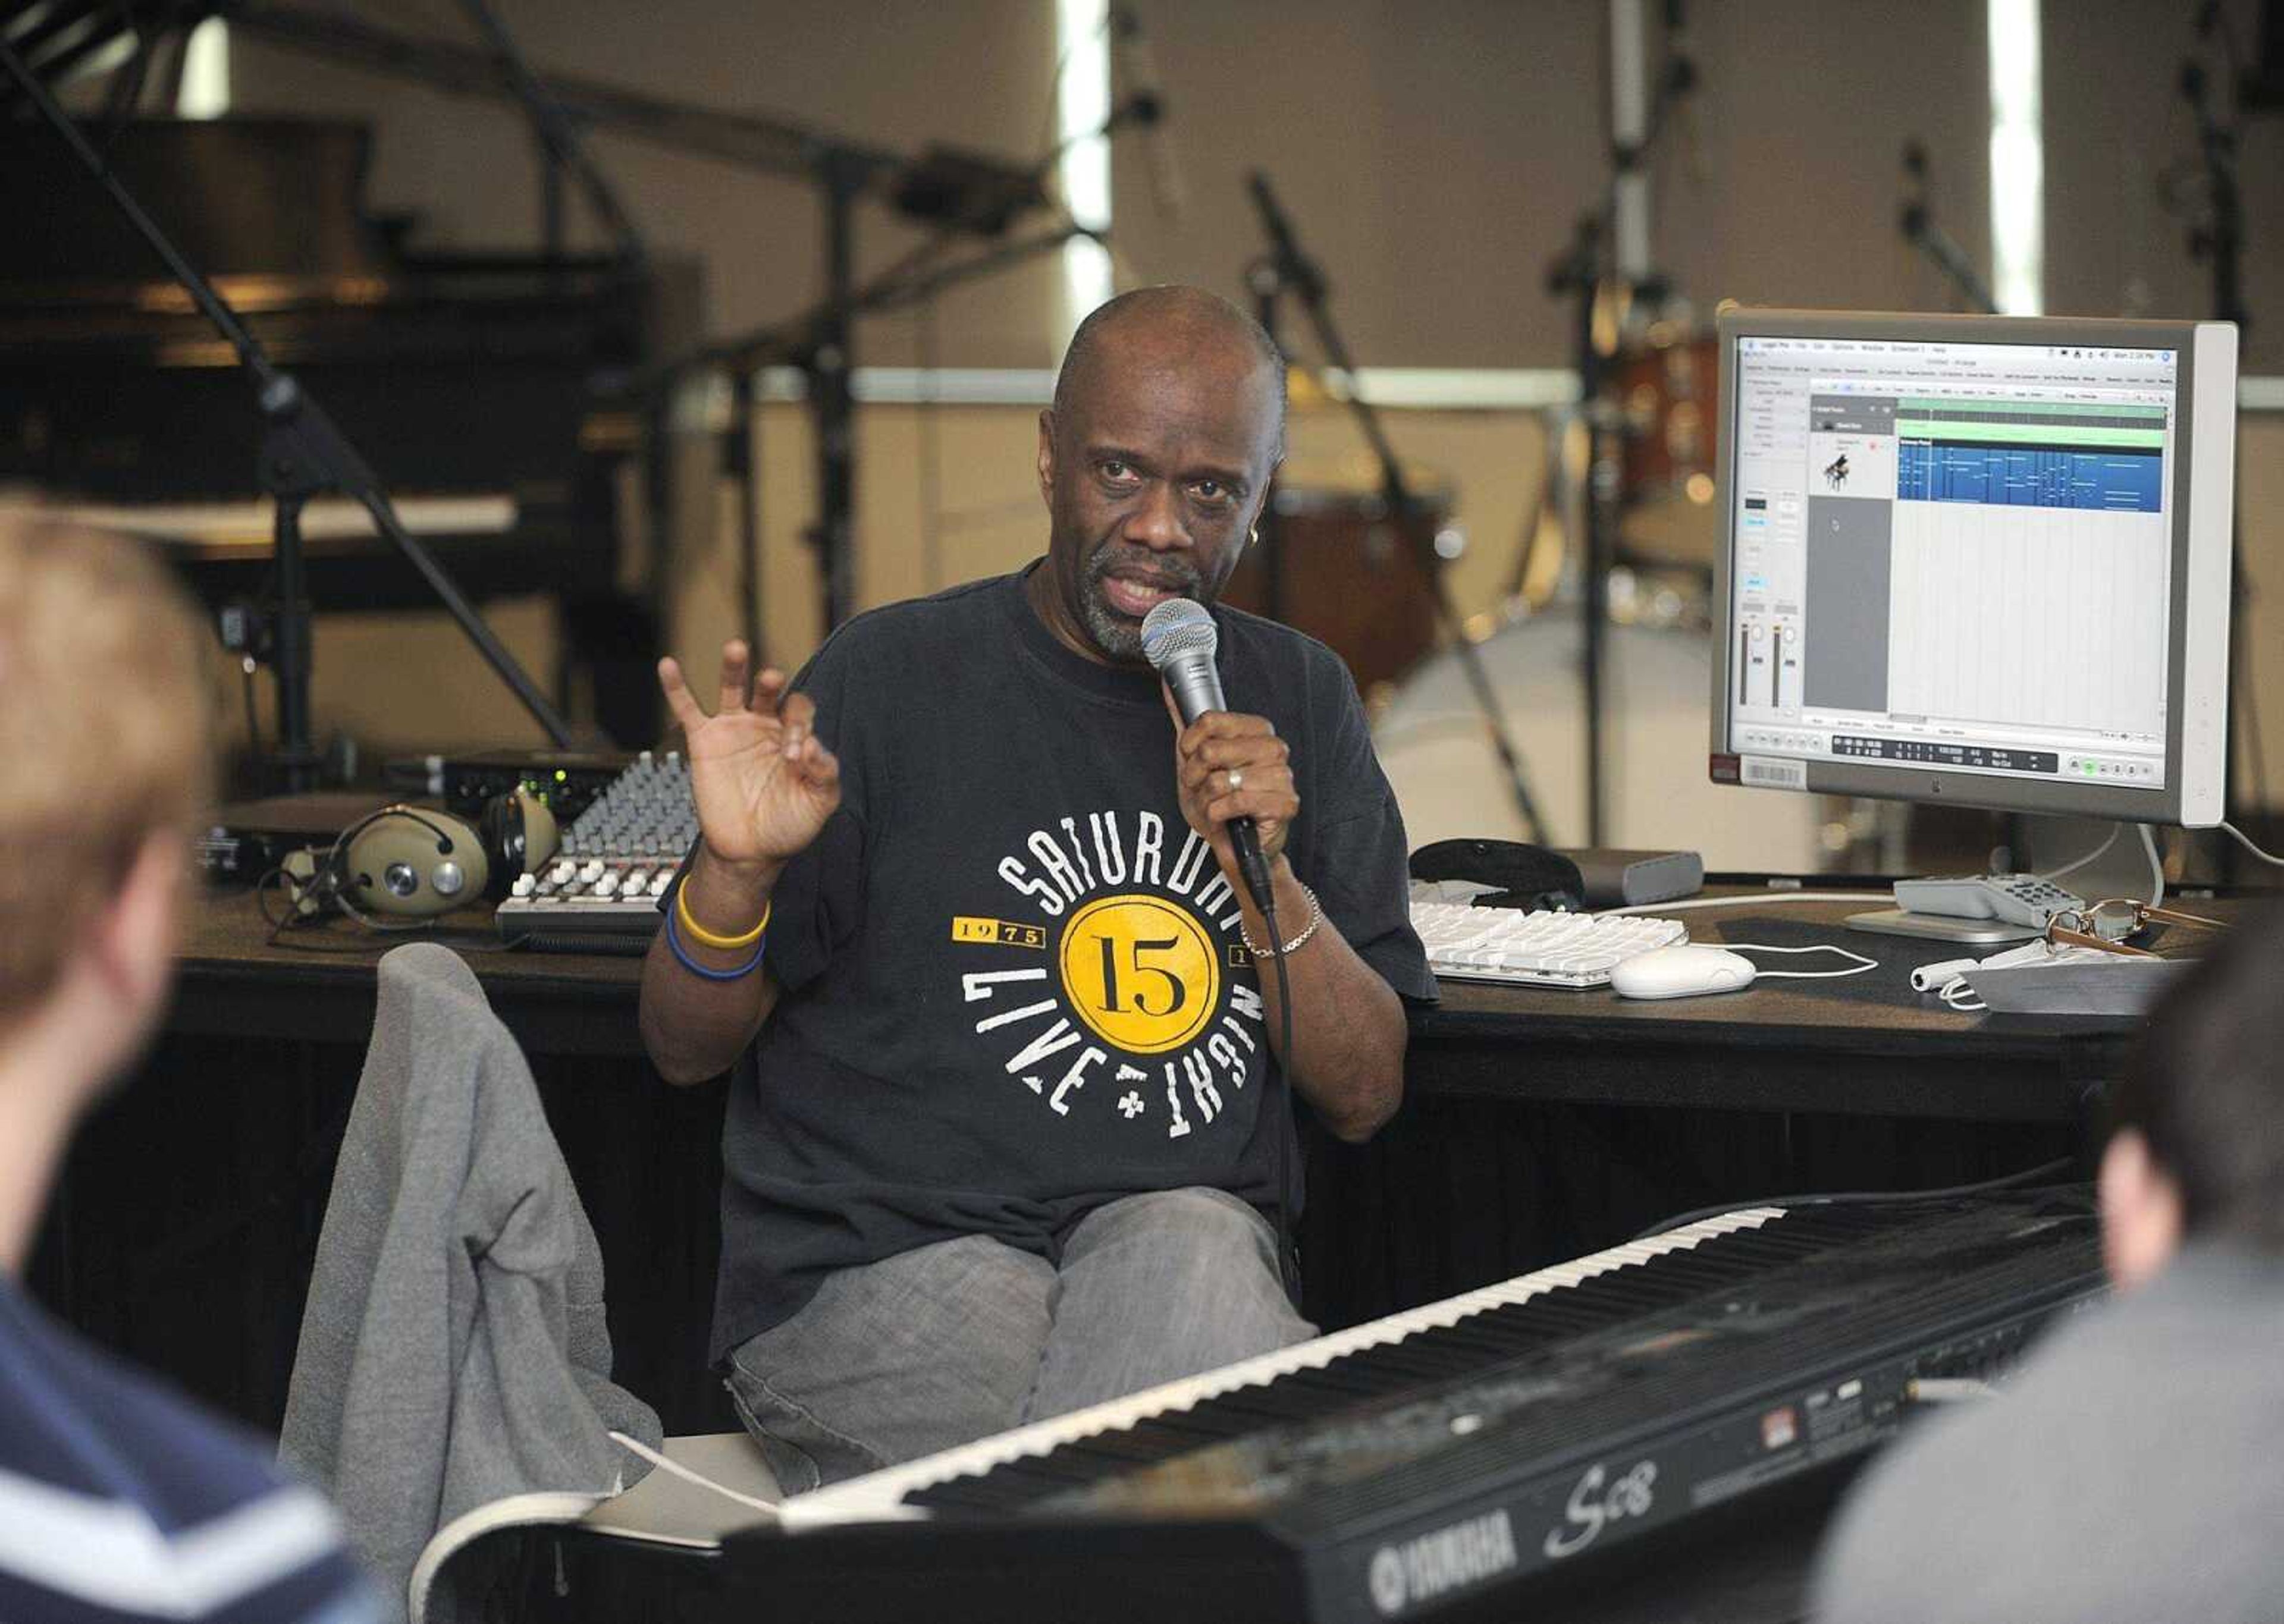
{"points": [[1976, 560]]}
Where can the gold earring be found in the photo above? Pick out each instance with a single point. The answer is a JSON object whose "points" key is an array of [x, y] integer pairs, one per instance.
{"points": [[1253, 536]]}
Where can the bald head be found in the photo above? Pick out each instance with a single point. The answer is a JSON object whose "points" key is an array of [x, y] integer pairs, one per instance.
{"points": [[1166, 326], [1155, 460]]}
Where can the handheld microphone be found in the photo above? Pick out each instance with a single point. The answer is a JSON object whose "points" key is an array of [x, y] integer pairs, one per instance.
{"points": [[1126, 38], [1179, 639]]}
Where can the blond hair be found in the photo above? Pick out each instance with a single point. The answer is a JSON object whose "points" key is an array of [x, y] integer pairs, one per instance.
{"points": [[104, 728]]}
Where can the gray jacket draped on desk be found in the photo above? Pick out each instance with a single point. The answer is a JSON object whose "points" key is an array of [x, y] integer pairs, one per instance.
{"points": [[453, 1351]]}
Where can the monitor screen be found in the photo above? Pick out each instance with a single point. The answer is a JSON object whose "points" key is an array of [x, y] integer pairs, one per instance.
{"points": [[1958, 564]]}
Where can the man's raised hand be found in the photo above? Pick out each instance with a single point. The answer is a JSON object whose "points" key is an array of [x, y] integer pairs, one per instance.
{"points": [[763, 784]]}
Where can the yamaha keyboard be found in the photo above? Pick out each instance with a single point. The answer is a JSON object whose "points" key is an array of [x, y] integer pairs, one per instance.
{"points": [[1452, 1458]]}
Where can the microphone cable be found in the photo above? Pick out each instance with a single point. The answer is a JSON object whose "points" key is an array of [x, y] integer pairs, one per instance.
{"points": [[1180, 641], [1287, 1126]]}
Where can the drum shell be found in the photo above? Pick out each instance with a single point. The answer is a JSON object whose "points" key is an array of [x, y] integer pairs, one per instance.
{"points": [[1669, 399], [1354, 577]]}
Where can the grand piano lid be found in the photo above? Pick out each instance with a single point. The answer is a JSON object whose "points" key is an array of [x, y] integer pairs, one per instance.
{"points": [[214, 184]]}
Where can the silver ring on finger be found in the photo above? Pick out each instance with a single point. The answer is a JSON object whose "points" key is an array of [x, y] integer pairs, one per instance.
{"points": [[1236, 780]]}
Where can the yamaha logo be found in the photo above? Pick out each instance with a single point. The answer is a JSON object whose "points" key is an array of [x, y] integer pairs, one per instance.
{"points": [[1432, 1567], [1388, 1587]]}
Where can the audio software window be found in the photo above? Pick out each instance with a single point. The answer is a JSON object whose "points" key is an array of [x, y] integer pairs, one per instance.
{"points": [[1955, 554]]}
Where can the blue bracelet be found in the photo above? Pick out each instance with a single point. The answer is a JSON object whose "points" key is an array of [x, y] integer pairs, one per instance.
{"points": [[682, 956]]}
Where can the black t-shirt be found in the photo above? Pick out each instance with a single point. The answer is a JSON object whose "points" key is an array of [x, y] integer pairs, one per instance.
{"points": [[1013, 985]]}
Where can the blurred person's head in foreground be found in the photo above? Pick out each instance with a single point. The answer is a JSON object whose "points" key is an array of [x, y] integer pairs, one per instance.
{"points": [[105, 729], [2197, 1150]]}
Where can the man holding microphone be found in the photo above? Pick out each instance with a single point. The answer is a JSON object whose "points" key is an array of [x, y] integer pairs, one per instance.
{"points": [[1017, 1134]]}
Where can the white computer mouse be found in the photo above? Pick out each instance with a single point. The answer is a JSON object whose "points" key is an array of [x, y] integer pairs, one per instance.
{"points": [[1682, 970]]}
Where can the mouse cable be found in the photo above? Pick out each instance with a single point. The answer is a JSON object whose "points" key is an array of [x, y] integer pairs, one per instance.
{"points": [[1861, 964], [1861, 1197], [2245, 841], [1751, 899], [2075, 863]]}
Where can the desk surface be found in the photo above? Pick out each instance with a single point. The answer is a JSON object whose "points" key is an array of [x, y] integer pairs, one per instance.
{"points": [[1779, 1045], [1872, 1048], [315, 984]]}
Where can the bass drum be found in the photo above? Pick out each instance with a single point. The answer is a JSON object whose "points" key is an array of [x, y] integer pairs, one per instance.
{"points": [[1669, 397], [1355, 577], [1656, 795]]}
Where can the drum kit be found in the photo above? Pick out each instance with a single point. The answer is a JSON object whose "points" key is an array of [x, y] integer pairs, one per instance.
{"points": [[1591, 676]]}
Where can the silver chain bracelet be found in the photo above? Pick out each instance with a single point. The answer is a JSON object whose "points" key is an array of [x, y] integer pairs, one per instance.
{"points": [[1315, 918]]}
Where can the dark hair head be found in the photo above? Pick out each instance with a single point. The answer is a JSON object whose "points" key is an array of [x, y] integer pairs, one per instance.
{"points": [[2206, 1088], [1195, 309]]}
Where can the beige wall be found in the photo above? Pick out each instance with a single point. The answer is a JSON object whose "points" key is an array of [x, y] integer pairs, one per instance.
{"points": [[1434, 154], [1804, 114]]}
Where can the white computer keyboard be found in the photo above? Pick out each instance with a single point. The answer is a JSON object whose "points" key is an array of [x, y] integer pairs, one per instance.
{"points": [[1539, 950]]}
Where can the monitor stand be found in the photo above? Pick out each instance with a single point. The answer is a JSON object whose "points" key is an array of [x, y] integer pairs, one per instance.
{"points": [[1941, 927]]}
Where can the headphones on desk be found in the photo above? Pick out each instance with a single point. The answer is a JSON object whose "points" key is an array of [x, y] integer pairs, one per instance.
{"points": [[410, 863]]}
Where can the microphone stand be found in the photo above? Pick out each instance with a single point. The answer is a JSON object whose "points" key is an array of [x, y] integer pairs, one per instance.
{"points": [[303, 453], [1294, 272], [1579, 274], [818, 342], [1916, 224], [1267, 286], [558, 141], [1596, 258]]}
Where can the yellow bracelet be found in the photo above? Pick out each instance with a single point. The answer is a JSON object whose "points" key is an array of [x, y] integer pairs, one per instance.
{"points": [[704, 938]]}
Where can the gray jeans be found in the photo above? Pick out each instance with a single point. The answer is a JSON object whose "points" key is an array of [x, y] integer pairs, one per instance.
{"points": [[964, 1337]]}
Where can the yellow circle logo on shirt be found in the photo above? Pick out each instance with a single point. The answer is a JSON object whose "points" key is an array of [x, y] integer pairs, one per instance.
{"points": [[1140, 972]]}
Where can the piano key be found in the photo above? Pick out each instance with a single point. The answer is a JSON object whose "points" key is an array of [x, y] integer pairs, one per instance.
{"points": [[1251, 1406], [1704, 1274], [1617, 1296], [974, 1494], [1518, 1330], [1491, 1342], [1115, 1448], [1089, 1467], [1283, 1399], [1172, 1434], [1343, 1384], [1403, 1359]]}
